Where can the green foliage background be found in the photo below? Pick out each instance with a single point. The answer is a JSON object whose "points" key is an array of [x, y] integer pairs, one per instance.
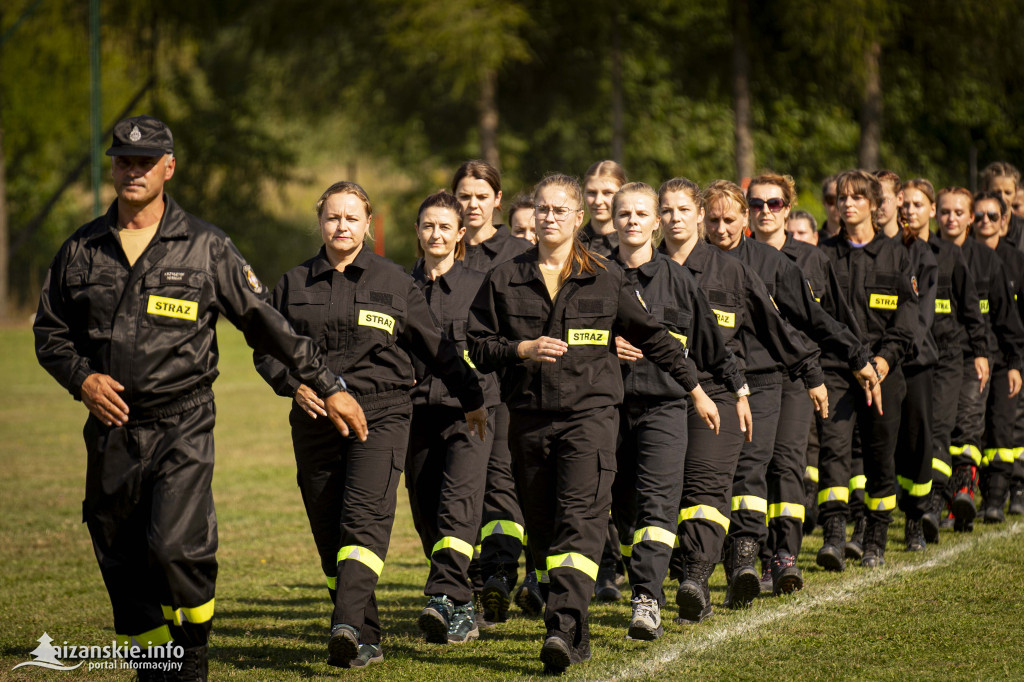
{"points": [[271, 101]]}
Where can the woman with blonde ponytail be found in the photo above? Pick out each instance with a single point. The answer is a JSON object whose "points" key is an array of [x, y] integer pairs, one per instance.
{"points": [[545, 320]]}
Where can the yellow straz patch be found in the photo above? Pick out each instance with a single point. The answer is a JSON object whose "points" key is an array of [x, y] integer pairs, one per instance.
{"points": [[942, 305], [726, 319], [883, 301], [588, 337], [983, 303], [465, 356], [371, 318], [678, 337], [173, 307]]}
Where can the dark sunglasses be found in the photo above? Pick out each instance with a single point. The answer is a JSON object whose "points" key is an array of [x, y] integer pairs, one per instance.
{"points": [[993, 216], [774, 205]]}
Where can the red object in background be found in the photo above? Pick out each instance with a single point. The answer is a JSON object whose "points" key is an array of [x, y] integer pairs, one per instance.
{"points": [[378, 234]]}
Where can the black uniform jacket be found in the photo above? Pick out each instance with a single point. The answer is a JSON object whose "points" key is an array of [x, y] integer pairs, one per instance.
{"points": [[1013, 263], [449, 298], [796, 301], [672, 295], [152, 326], [879, 284], [590, 309], [1005, 332], [601, 244], [750, 323], [367, 320], [958, 319], [502, 246], [824, 287], [926, 269]]}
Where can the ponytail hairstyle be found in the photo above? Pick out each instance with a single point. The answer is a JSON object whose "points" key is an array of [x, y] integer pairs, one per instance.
{"points": [[783, 182], [442, 199], [724, 190], [606, 169], [691, 189], [479, 170], [863, 183], [1000, 169], [923, 186], [643, 189], [344, 187], [580, 259]]}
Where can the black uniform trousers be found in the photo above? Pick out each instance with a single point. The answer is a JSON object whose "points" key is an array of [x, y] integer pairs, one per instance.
{"points": [[968, 433], [786, 472], [149, 509], [750, 482], [501, 532], [1018, 442], [916, 437], [999, 454], [878, 437], [647, 488], [947, 376], [710, 466], [445, 472], [349, 490], [565, 464]]}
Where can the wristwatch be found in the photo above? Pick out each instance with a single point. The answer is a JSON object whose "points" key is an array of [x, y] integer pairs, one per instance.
{"points": [[743, 392], [338, 386]]}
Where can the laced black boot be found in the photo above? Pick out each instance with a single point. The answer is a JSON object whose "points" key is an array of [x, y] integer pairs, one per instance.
{"points": [[694, 596], [875, 537], [831, 556], [744, 582]]}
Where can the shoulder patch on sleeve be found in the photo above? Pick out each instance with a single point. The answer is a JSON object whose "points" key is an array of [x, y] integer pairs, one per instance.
{"points": [[252, 280]]}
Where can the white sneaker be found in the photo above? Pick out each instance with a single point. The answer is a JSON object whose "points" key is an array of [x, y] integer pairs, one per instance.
{"points": [[646, 621]]}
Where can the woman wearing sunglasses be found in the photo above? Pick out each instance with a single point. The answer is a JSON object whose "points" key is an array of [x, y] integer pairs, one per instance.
{"points": [[961, 337], [745, 313], [809, 297], [545, 320]]}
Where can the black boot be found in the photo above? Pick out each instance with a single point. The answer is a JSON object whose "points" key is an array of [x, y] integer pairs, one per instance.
{"points": [[694, 596], [914, 536], [995, 497], [965, 477], [194, 664], [831, 556], [876, 534], [930, 519], [855, 546], [1016, 499], [786, 576], [744, 582]]}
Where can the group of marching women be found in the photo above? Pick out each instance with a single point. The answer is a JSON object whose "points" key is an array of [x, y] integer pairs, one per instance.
{"points": [[667, 365]]}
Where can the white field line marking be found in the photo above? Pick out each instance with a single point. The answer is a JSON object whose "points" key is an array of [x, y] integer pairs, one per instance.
{"points": [[709, 638]]}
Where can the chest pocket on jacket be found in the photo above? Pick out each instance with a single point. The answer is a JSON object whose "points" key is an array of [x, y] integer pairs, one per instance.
{"points": [[307, 311], [588, 325], [379, 316], [882, 289], [676, 321], [726, 305], [172, 297], [93, 295], [817, 287], [524, 318], [944, 294]]}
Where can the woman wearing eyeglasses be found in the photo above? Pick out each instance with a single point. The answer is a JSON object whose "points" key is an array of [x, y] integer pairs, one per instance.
{"points": [[876, 275], [745, 312], [958, 216], [545, 320], [960, 334], [808, 295], [652, 431]]}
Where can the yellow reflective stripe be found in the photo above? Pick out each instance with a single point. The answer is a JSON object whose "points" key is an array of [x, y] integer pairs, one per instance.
{"points": [[173, 307], [839, 493], [449, 542], [942, 305], [573, 560], [725, 319], [883, 301], [681, 338], [781, 509], [154, 637], [983, 305], [542, 575], [942, 467], [626, 550], [195, 614], [508, 528], [750, 503], [704, 512], [969, 450], [466, 358], [371, 318], [332, 582], [363, 556], [1002, 454], [914, 489], [858, 482], [655, 534], [880, 503], [587, 337], [1018, 452], [811, 473]]}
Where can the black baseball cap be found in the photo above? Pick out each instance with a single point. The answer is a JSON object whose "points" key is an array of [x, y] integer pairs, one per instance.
{"points": [[141, 136]]}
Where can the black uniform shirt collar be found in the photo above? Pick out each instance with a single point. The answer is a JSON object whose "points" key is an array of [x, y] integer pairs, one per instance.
{"points": [[448, 281], [173, 223], [497, 240], [528, 268], [321, 265], [699, 256], [649, 269]]}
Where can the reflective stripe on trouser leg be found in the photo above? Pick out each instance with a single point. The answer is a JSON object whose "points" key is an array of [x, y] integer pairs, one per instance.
{"points": [[879, 437], [749, 503], [154, 637], [947, 375], [501, 503], [194, 615], [913, 455], [1005, 455], [965, 451], [785, 476]]}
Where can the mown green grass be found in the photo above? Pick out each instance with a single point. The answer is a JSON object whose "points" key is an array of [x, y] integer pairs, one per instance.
{"points": [[954, 613]]}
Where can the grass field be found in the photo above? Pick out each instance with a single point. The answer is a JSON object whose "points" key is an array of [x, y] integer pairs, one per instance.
{"points": [[955, 612]]}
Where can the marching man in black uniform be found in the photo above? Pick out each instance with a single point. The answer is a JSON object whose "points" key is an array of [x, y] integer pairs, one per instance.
{"points": [[126, 323]]}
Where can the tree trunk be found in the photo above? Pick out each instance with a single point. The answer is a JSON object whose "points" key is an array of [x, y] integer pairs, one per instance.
{"points": [[741, 92], [618, 127], [871, 111], [488, 111]]}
